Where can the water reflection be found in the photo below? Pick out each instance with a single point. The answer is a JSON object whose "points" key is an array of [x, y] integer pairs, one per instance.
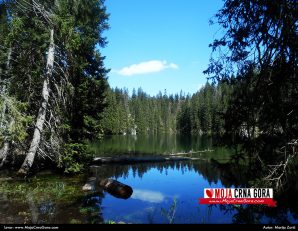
{"points": [[44, 199], [92, 209], [151, 144], [148, 196], [213, 172], [155, 185]]}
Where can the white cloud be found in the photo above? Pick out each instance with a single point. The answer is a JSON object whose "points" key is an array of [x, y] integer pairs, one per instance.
{"points": [[148, 196], [152, 66]]}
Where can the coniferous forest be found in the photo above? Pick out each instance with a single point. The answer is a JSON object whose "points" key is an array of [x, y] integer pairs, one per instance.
{"points": [[55, 96], [140, 113]]}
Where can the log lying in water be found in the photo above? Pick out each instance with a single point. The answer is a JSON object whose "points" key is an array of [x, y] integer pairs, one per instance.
{"points": [[132, 160], [115, 188], [191, 152]]}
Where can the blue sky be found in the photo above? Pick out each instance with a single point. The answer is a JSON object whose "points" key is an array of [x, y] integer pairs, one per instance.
{"points": [[159, 44]]}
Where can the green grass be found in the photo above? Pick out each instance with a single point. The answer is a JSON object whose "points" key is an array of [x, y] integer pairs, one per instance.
{"points": [[43, 188]]}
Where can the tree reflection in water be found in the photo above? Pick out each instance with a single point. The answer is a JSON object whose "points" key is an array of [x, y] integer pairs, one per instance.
{"points": [[41, 203], [230, 174]]}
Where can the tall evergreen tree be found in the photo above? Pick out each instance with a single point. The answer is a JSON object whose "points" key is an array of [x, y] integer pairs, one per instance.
{"points": [[260, 41], [200, 113], [55, 55], [261, 37]]}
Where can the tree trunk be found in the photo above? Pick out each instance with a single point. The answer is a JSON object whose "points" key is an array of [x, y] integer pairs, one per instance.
{"points": [[3, 125], [4, 90], [116, 188], [4, 153], [3, 107], [28, 162]]}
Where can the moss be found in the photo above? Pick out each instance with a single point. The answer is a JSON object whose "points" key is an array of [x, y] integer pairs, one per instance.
{"points": [[75, 221]]}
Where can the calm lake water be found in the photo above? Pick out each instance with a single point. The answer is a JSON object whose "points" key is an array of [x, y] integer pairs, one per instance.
{"points": [[144, 145], [162, 192]]}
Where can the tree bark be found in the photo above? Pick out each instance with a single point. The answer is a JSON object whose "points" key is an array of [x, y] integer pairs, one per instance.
{"points": [[4, 90], [114, 187], [4, 153], [3, 126], [28, 162], [3, 107]]}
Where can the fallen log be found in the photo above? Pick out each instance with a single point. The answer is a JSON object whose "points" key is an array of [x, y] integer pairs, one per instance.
{"points": [[114, 187], [191, 152], [133, 160]]}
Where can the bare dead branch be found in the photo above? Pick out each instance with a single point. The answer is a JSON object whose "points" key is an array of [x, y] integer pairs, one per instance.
{"points": [[278, 173]]}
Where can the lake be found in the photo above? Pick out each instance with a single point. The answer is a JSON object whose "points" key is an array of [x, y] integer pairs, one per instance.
{"points": [[163, 193], [163, 144]]}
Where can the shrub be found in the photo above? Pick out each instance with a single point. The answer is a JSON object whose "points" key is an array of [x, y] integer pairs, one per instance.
{"points": [[74, 158]]}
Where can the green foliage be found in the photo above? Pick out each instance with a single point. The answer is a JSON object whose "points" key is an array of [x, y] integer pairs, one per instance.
{"points": [[75, 221], [80, 31], [74, 158], [196, 114], [21, 121], [116, 118], [66, 24], [260, 61], [263, 55], [77, 85], [15, 120], [84, 210], [17, 26]]}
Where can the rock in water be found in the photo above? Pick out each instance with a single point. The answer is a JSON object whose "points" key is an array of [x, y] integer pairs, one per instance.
{"points": [[90, 184]]}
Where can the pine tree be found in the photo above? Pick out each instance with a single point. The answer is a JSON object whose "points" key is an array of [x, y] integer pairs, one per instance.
{"points": [[54, 55]]}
